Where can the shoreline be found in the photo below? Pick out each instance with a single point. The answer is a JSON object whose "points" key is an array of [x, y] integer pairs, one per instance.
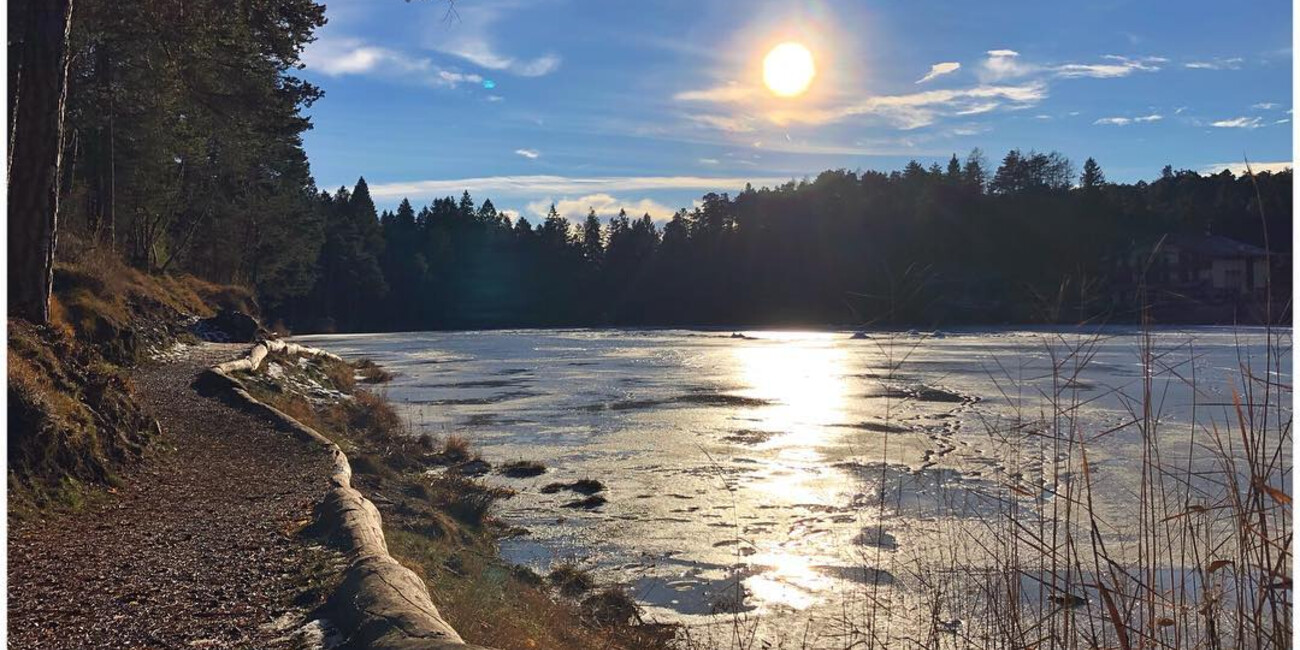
{"points": [[380, 601], [434, 518]]}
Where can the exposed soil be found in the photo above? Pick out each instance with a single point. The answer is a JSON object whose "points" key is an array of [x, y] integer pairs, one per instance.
{"points": [[198, 548]]}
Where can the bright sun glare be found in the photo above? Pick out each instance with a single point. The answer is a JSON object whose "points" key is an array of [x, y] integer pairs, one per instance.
{"points": [[788, 69]]}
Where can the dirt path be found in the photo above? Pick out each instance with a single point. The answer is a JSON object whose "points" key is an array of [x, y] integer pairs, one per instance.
{"points": [[195, 550]]}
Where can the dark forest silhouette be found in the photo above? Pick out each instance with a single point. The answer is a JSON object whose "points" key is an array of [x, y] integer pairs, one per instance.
{"points": [[1029, 242]]}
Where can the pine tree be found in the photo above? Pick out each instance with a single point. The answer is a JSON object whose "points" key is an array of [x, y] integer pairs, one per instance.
{"points": [[1011, 174], [361, 210], [973, 174], [465, 209], [554, 230], [1092, 177], [593, 248], [954, 169]]}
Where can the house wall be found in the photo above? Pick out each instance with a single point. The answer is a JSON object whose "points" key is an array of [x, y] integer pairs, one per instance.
{"points": [[1229, 275]]}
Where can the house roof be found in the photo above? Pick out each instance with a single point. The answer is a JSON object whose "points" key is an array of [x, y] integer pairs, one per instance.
{"points": [[1215, 246]]}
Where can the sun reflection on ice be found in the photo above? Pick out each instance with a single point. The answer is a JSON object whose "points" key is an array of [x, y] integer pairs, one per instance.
{"points": [[789, 580], [802, 375]]}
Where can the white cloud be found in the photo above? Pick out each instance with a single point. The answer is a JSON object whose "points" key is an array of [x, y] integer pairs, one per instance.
{"points": [[531, 154], [1125, 121], [1238, 123], [1004, 64], [1119, 66], [726, 93], [746, 113], [708, 161], [605, 205], [481, 53], [1008, 64], [1265, 106], [1239, 168], [495, 98], [728, 123], [976, 109], [337, 57], [470, 39], [541, 66], [920, 109], [971, 129], [1233, 63], [546, 185], [940, 69]]}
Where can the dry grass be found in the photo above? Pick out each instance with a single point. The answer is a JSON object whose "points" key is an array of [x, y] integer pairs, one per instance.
{"points": [[371, 372], [73, 418], [523, 469], [1201, 558], [341, 375], [571, 580], [456, 448], [442, 528]]}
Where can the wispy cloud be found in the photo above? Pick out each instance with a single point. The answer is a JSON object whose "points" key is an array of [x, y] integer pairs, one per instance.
{"points": [[1008, 64], [547, 185], [605, 205], [915, 110], [531, 154], [1239, 123], [1233, 63], [337, 57], [726, 93], [976, 109], [727, 123], [905, 111], [1114, 66], [1125, 121], [744, 108], [472, 40], [970, 129], [940, 69], [1239, 168], [1265, 106]]}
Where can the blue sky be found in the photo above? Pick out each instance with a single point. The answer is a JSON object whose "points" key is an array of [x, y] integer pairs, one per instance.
{"points": [[648, 105]]}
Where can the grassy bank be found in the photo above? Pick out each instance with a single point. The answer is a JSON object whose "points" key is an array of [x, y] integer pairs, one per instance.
{"points": [[439, 520], [73, 417]]}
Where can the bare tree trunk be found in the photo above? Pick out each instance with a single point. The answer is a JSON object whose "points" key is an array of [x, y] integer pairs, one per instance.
{"points": [[36, 156]]}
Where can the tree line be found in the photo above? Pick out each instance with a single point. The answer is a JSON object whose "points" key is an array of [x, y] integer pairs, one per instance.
{"points": [[1030, 240], [170, 133], [167, 131]]}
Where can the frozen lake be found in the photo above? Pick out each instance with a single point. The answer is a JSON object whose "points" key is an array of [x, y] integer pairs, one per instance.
{"points": [[775, 485]]}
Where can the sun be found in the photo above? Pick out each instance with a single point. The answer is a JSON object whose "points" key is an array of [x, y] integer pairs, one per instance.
{"points": [[788, 69]]}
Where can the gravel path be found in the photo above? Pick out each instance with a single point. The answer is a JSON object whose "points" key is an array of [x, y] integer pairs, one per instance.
{"points": [[195, 550]]}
